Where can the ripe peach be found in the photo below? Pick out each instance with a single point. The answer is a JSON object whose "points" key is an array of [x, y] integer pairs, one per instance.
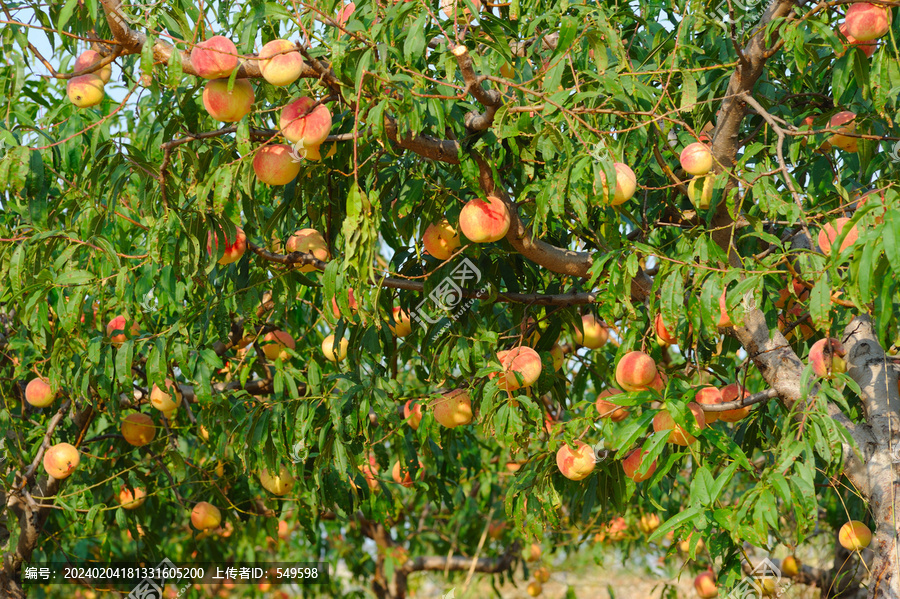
{"points": [[827, 358], [345, 13], [542, 575], [440, 240], [118, 324], [38, 393], [608, 409], [533, 553], [369, 471], [351, 301], [635, 371], [131, 500], [228, 106], [593, 333], [663, 421], [724, 319], [402, 325], [274, 165], [868, 48], [61, 460], [705, 584], [830, 232], [626, 184], [163, 400], [205, 516], [284, 530], [279, 483], [617, 529], [214, 58], [314, 153], [659, 383], [521, 368], [633, 463], [709, 396], [308, 241], [663, 336], [412, 412], [401, 475], [299, 121], [844, 123], [280, 63], [85, 91], [453, 408], [867, 22], [648, 523], [484, 221], [328, 349], [89, 58], [576, 464], [273, 345], [138, 429], [534, 588], [731, 393], [700, 191], [234, 249], [790, 566], [696, 159], [854, 535]]}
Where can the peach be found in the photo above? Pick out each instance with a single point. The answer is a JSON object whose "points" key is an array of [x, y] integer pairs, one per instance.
{"points": [[634, 462], [731, 393], [558, 355], [279, 483], [844, 123], [521, 368], [138, 429], [332, 353], [453, 408], [274, 165], [284, 530], [724, 319], [351, 301], [369, 471], [867, 22], [314, 153], [663, 421], [854, 535], [626, 184], [205, 516], [648, 523], [345, 13], [401, 475], [663, 336], [163, 400], [635, 371], [484, 221], [700, 191], [131, 500], [709, 396], [61, 460], [830, 232], [301, 122], [89, 58], [274, 344], [228, 106], [440, 240], [593, 333], [608, 409], [214, 58], [85, 91], [401, 326], [868, 48], [576, 464], [412, 412], [533, 553], [827, 358], [308, 241], [705, 584], [696, 159], [617, 529], [534, 588], [118, 324], [280, 63], [38, 393], [790, 566], [234, 249], [659, 383]]}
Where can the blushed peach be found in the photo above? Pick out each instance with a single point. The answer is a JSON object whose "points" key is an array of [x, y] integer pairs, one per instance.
{"points": [[576, 464], [401, 474], [138, 429], [731, 393], [440, 240], [280, 63], [412, 412], [118, 324], [234, 249], [401, 326], [663, 336], [521, 368], [608, 409], [484, 221], [89, 58], [205, 516], [131, 500], [453, 408], [335, 355], [300, 122], [228, 106], [626, 184], [844, 123], [61, 460], [593, 334], [696, 159], [39, 393], [663, 421], [867, 22], [308, 241], [635, 371], [830, 232], [85, 91], [214, 58], [709, 396], [854, 535], [274, 165], [274, 344], [633, 464], [826, 357]]}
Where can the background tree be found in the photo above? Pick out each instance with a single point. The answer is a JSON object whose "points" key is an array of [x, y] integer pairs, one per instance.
{"points": [[189, 229]]}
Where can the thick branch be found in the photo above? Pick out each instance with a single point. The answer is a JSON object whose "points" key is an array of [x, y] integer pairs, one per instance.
{"points": [[490, 99]]}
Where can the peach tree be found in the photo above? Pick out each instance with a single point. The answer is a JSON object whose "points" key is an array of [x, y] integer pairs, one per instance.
{"points": [[404, 287]]}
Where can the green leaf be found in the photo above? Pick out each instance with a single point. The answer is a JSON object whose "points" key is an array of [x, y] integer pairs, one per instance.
{"points": [[66, 13]]}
